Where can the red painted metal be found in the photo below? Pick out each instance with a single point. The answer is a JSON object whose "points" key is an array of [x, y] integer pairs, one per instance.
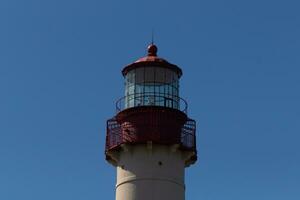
{"points": [[159, 125], [152, 50], [152, 60]]}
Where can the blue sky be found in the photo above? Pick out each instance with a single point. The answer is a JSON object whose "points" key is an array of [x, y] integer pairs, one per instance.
{"points": [[60, 64]]}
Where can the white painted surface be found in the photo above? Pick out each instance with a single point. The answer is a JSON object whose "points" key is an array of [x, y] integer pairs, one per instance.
{"points": [[146, 172]]}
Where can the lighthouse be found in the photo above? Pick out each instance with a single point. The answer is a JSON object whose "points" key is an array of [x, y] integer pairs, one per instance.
{"points": [[151, 139]]}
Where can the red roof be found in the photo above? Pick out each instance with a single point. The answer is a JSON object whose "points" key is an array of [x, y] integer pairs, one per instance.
{"points": [[151, 60]]}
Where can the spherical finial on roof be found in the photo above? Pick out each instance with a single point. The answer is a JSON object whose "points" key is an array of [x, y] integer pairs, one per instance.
{"points": [[152, 50]]}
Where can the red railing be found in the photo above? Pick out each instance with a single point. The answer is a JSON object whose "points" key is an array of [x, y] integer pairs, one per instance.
{"points": [[118, 134]]}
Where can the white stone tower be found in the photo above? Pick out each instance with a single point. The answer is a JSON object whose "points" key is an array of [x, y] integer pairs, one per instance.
{"points": [[151, 140]]}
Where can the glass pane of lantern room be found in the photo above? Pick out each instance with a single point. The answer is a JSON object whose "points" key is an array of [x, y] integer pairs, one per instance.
{"points": [[129, 89], [139, 86], [149, 74], [160, 75], [149, 80]]}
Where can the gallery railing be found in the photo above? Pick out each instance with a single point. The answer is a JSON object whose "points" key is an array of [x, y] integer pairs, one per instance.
{"points": [[151, 99], [118, 134]]}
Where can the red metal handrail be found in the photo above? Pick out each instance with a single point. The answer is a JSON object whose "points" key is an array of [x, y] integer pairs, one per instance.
{"points": [[118, 134]]}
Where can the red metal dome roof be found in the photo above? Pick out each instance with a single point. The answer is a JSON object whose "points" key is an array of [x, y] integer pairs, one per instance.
{"points": [[151, 60]]}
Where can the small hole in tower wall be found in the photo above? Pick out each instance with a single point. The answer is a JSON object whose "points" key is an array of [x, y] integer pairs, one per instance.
{"points": [[122, 166], [160, 163]]}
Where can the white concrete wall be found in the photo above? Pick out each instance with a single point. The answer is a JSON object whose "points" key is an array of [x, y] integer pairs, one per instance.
{"points": [[146, 172]]}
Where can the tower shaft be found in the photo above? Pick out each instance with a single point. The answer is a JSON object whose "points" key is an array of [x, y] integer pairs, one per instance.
{"points": [[146, 172]]}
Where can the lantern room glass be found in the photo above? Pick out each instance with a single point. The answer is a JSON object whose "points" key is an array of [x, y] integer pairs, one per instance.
{"points": [[152, 86]]}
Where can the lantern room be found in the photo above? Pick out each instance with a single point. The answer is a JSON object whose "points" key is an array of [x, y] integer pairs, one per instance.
{"points": [[151, 81]]}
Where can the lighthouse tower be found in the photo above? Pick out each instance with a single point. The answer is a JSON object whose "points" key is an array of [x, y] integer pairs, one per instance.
{"points": [[151, 140]]}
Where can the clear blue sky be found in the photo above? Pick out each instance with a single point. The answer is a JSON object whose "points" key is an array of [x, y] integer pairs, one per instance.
{"points": [[60, 63]]}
